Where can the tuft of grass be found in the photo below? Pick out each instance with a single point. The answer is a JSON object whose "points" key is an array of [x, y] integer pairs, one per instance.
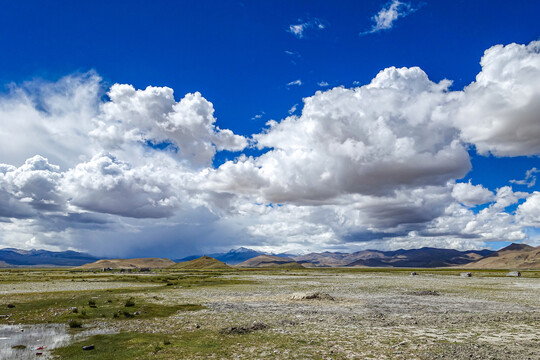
{"points": [[130, 303], [74, 324], [60, 307], [200, 344]]}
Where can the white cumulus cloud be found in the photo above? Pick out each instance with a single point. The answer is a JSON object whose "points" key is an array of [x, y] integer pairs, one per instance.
{"points": [[498, 112], [377, 165], [386, 17], [471, 195]]}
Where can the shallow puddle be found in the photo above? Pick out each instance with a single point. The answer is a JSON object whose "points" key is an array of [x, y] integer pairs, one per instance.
{"points": [[27, 341]]}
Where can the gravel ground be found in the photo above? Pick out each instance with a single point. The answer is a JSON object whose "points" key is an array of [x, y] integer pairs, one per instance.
{"points": [[372, 315], [54, 286], [383, 316]]}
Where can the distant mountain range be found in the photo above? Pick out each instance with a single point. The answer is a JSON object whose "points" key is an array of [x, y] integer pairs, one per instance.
{"points": [[234, 257], [10, 257], [514, 256], [270, 261], [518, 256], [424, 257]]}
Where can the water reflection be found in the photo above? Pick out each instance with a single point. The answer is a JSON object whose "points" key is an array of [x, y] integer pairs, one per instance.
{"points": [[30, 338]]}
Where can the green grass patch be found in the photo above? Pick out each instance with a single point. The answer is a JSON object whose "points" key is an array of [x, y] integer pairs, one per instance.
{"points": [[61, 308], [200, 344]]}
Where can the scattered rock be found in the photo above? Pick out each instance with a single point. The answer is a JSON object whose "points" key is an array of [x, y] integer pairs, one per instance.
{"points": [[424, 293], [258, 326], [10, 306], [465, 274], [311, 296], [514, 274], [88, 347], [244, 329]]}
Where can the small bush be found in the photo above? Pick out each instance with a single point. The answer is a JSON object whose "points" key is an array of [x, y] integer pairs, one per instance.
{"points": [[130, 302], [128, 314], [74, 324], [75, 310], [166, 342], [92, 303]]}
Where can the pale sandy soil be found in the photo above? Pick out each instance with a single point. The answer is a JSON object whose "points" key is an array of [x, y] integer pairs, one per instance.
{"points": [[61, 285], [373, 315]]}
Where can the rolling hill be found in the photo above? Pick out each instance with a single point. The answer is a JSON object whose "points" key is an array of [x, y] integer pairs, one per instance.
{"points": [[270, 261], [204, 262], [514, 256], [150, 263]]}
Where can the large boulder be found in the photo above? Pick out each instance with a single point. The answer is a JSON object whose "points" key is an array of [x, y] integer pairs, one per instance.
{"points": [[311, 296]]}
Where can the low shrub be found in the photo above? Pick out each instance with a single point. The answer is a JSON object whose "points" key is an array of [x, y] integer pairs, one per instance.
{"points": [[73, 324]]}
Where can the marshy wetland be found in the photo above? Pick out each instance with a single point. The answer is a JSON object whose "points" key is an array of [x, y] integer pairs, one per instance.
{"points": [[262, 314]]}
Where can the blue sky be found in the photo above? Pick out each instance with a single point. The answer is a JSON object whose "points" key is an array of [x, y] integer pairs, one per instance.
{"points": [[255, 61]]}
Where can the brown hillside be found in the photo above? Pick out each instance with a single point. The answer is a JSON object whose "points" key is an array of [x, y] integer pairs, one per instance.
{"points": [[151, 263], [269, 261], [514, 256], [204, 262]]}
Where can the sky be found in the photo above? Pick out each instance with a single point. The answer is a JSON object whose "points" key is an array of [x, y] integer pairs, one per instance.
{"points": [[171, 128]]}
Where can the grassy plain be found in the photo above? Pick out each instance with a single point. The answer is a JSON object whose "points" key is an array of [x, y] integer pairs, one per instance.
{"points": [[249, 314]]}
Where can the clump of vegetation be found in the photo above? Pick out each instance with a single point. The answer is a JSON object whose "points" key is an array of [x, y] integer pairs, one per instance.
{"points": [[74, 324], [157, 348], [18, 347], [92, 303], [75, 310], [130, 302]]}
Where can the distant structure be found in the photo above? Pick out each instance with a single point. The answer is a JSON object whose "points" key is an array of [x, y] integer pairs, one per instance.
{"points": [[414, 273], [514, 274], [465, 274]]}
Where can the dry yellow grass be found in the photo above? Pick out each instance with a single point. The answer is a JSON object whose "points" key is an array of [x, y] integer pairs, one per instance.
{"points": [[151, 263], [204, 262]]}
